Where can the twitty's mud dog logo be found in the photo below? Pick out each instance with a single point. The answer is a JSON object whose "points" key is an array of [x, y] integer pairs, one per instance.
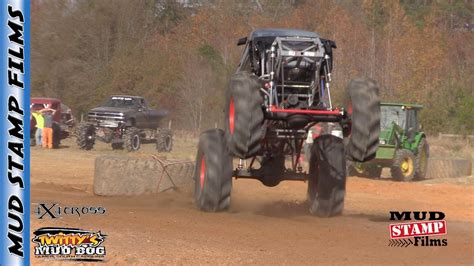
{"points": [[401, 234], [69, 244]]}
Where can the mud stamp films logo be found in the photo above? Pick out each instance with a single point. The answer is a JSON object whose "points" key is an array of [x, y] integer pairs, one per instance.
{"points": [[69, 244], [424, 232]]}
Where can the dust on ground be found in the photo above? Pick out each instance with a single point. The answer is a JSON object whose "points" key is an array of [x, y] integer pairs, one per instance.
{"points": [[263, 226]]}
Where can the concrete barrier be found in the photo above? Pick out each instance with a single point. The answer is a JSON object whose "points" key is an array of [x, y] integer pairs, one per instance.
{"points": [[122, 175], [445, 167]]}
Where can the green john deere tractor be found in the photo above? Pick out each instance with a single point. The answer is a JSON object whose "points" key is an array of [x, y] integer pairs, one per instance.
{"points": [[402, 145]]}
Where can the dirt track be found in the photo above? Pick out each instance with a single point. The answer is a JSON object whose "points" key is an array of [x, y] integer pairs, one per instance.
{"points": [[263, 226]]}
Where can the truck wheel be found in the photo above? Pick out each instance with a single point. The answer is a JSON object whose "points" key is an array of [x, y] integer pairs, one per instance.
{"points": [[362, 104], [327, 176], [56, 135], [421, 159], [244, 115], [403, 167], [213, 172], [117, 145], [131, 139], [85, 136], [164, 140]]}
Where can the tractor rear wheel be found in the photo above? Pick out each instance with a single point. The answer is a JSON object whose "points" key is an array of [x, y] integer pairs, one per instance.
{"points": [[403, 167], [85, 136], [213, 172], [362, 104], [244, 115], [327, 176], [421, 159]]}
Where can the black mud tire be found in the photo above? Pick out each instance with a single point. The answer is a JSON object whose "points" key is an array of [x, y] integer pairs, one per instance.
{"points": [[117, 145], [85, 136], [213, 172], [421, 159], [362, 104], [56, 136], [164, 140], [131, 139], [403, 167], [327, 177], [244, 115]]}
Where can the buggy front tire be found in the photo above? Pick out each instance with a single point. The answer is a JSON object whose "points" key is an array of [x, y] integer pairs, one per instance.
{"points": [[327, 177], [213, 172], [362, 105], [244, 115], [164, 140]]}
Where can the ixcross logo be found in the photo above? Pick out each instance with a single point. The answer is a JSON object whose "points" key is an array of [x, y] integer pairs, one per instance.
{"points": [[420, 232], [54, 210], [69, 244]]}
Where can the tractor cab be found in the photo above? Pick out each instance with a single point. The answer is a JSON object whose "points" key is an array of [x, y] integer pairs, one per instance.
{"points": [[398, 123]]}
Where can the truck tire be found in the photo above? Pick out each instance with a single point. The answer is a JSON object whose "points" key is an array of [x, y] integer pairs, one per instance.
{"points": [[164, 140], [327, 177], [421, 159], [56, 136], [362, 104], [131, 139], [403, 167], [213, 172], [117, 145], [85, 136], [244, 115]]}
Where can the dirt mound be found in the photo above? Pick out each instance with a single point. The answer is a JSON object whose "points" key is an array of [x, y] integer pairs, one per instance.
{"points": [[123, 175]]}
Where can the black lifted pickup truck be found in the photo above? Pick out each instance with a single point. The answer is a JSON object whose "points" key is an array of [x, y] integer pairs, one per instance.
{"points": [[125, 122]]}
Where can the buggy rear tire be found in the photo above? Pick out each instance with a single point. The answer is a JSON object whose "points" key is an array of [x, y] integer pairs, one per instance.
{"points": [[164, 140], [403, 167], [244, 115], [421, 159], [85, 136], [327, 177], [213, 172], [131, 139], [362, 104]]}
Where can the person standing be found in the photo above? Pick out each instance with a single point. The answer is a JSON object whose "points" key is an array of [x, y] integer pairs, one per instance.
{"points": [[39, 127], [48, 114]]}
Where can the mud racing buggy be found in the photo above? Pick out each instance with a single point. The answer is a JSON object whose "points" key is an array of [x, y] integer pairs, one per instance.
{"points": [[281, 89], [403, 146], [63, 119], [125, 122]]}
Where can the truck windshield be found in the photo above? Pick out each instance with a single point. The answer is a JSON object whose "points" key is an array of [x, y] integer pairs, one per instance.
{"points": [[124, 102], [392, 114]]}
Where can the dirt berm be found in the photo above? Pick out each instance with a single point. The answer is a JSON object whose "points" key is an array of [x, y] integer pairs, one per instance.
{"points": [[446, 167], [119, 175]]}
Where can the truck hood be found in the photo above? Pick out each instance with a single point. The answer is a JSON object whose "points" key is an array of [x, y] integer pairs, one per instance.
{"points": [[112, 110]]}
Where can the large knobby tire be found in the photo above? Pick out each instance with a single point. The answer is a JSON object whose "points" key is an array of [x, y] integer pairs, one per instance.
{"points": [[56, 135], [421, 159], [327, 176], [213, 172], [85, 136], [131, 139], [362, 104], [164, 140], [403, 167], [244, 115]]}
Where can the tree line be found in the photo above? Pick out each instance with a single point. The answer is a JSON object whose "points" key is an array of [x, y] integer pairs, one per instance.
{"points": [[180, 54]]}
